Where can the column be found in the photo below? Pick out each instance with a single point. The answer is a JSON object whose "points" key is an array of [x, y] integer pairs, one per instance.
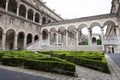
{"points": [[57, 38], [25, 42], [80, 33], [32, 39], [117, 31], [3, 41], [15, 42], [49, 38], [89, 37], [102, 38], [34, 17], [18, 10], [6, 8], [77, 33], [66, 37], [26, 13]]}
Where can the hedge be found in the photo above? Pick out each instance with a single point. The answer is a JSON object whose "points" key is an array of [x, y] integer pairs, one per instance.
{"points": [[93, 60], [49, 65]]}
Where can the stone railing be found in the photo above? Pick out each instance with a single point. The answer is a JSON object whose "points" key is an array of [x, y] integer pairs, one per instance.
{"points": [[110, 41], [75, 48]]}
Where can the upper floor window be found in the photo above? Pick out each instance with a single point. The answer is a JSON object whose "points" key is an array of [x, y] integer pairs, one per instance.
{"points": [[12, 21], [0, 17]]}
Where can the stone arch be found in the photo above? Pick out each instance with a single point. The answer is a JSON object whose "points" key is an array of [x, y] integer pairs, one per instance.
{"points": [[52, 36], [12, 6], [109, 23], [37, 17], [94, 24], [20, 41], [36, 38], [81, 26], [61, 36], [82, 37], [2, 3], [44, 20], [45, 34], [30, 14], [10, 35], [29, 38], [22, 10], [71, 35]]}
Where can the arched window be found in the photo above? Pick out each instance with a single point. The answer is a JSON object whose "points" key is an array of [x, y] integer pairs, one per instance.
{"points": [[37, 17], [30, 14], [12, 6], [2, 4], [29, 38], [36, 38], [43, 20], [22, 10]]}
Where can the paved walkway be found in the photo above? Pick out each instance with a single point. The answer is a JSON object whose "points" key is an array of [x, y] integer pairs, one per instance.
{"points": [[115, 58], [12, 75]]}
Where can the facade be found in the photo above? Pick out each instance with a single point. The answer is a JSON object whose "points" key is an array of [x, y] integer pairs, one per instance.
{"points": [[30, 24]]}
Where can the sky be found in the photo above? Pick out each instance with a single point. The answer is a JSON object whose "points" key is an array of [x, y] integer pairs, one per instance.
{"points": [[70, 9]]}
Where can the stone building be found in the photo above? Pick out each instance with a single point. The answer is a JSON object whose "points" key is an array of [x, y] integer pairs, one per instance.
{"points": [[30, 24]]}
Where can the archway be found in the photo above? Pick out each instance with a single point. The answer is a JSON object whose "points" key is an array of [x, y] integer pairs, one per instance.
{"points": [[20, 41], [12, 6], [44, 20], [29, 38], [83, 34], [45, 34], [3, 4], [30, 14], [53, 36], [61, 36], [71, 35], [22, 10], [37, 17], [36, 38], [10, 35]]}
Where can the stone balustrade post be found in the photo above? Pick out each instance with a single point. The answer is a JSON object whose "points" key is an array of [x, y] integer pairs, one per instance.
{"points": [[6, 6]]}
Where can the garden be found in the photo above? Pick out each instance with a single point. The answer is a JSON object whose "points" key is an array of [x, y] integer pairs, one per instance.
{"points": [[62, 62]]}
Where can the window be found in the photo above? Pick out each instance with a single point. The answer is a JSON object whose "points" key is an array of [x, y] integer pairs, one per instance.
{"points": [[12, 21], [22, 24], [0, 17]]}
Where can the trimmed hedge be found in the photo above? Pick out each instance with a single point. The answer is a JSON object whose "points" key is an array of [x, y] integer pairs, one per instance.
{"points": [[30, 60], [93, 60]]}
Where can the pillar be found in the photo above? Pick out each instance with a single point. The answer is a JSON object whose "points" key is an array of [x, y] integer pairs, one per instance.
{"points": [[15, 42], [26, 13], [66, 37], [80, 37], [3, 41], [49, 38], [6, 8], [89, 37], [56, 38], [77, 33], [34, 17], [18, 9], [25, 42], [102, 38]]}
